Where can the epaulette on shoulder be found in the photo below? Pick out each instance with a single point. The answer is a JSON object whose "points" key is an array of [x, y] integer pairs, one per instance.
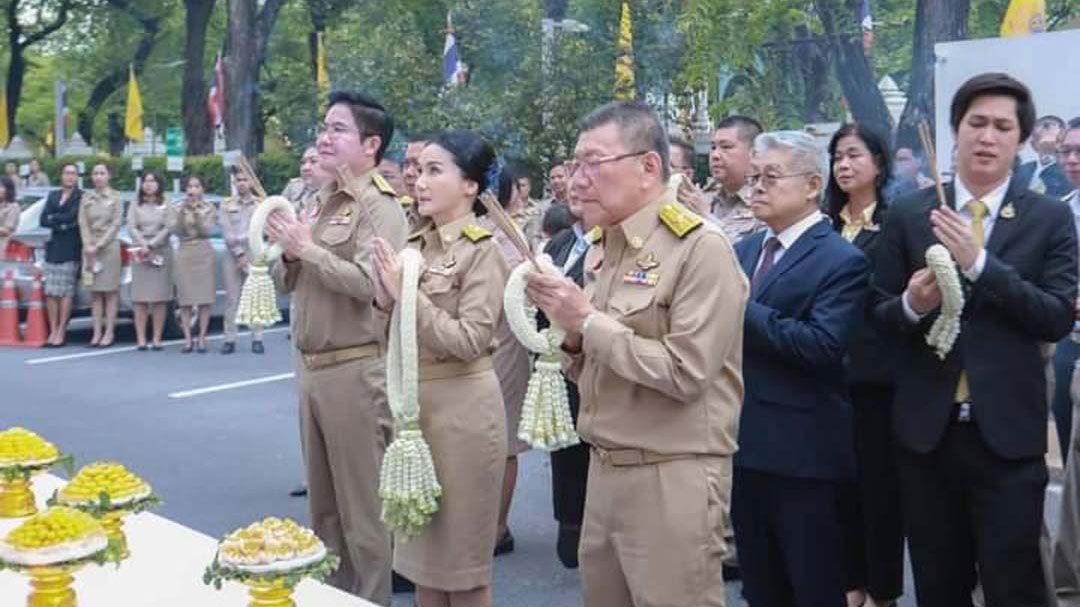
{"points": [[416, 235], [383, 185], [595, 235], [406, 201], [679, 219], [475, 233]]}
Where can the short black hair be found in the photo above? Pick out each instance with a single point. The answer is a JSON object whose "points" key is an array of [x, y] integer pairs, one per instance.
{"points": [[421, 136], [473, 155], [508, 178], [639, 128], [1050, 120], [994, 83], [747, 127], [370, 116], [877, 144], [1073, 124], [556, 219], [7, 184], [141, 198]]}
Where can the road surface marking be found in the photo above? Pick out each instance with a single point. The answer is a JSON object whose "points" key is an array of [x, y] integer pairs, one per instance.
{"points": [[120, 350], [232, 385]]}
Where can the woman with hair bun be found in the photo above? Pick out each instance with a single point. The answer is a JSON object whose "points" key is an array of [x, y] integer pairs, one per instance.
{"points": [[459, 306]]}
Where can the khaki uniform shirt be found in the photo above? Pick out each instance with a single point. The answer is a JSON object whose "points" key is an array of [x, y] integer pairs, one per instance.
{"points": [[193, 220], [148, 224], [100, 218], [661, 361], [235, 219], [333, 285], [299, 194], [9, 222], [733, 215], [530, 219], [459, 304]]}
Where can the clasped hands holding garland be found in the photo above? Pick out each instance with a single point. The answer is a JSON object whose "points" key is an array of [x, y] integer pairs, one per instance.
{"points": [[957, 236]]}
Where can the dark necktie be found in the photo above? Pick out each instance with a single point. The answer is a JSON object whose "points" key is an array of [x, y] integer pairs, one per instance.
{"points": [[768, 257]]}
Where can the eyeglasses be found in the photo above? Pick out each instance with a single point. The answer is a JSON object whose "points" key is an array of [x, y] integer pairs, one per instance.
{"points": [[588, 167], [1068, 150], [768, 181], [336, 130]]}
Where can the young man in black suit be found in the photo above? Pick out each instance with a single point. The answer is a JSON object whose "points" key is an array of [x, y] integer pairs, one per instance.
{"points": [[1044, 174], [972, 427]]}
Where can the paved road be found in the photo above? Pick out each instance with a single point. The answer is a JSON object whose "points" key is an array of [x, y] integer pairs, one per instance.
{"points": [[217, 436]]}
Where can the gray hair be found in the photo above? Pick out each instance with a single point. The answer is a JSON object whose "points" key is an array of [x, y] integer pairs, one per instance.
{"points": [[806, 155], [639, 128]]}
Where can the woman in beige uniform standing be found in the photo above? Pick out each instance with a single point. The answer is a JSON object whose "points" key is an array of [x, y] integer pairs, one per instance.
{"points": [[9, 213], [151, 275], [100, 216], [196, 284], [459, 306]]}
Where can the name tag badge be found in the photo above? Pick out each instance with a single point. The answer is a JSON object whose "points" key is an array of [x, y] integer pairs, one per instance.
{"points": [[648, 279], [339, 220]]}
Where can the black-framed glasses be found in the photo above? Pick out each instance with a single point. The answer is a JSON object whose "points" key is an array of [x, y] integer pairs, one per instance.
{"points": [[588, 167], [767, 181]]}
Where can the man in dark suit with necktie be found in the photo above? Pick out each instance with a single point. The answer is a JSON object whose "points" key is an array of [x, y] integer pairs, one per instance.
{"points": [[1044, 174], [808, 292], [570, 466], [972, 427]]}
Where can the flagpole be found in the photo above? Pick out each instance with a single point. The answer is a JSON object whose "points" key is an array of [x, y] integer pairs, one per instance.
{"points": [[59, 136]]}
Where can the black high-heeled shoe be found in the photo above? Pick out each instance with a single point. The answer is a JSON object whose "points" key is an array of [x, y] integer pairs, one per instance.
{"points": [[186, 349]]}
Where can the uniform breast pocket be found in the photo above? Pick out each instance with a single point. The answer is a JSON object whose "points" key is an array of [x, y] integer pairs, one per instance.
{"points": [[335, 235], [435, 284], [635, 303]]}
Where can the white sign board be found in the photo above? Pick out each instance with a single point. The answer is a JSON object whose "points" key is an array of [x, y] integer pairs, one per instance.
{"points": [[136, 163], [231, 158], [174, 164], [1046, 63]]}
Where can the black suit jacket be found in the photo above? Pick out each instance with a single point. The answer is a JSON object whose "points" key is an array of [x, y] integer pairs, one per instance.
{"points": [[1024, 296], [1057, 184], [800, 321], [559, 248], [65, 243], [872, 358]]}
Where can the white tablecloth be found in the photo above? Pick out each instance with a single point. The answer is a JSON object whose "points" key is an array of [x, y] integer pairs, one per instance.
{"points": [[165, 570]]}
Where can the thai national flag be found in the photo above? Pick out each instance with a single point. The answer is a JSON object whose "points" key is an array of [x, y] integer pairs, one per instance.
{"points": [[453, 69], [215, 101], [866, 20]]}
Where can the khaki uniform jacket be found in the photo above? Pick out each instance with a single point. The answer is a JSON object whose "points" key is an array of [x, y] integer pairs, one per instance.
{"points": [[661, 361], [193, 221], [149, 225], [235, 218], [333, 285], [299, 194], [100, 218]]}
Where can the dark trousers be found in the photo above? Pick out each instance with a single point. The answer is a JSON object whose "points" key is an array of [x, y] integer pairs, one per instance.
{"points": [[570, 474], [965, 506], [872, 518], [1064, 358], [788, 533]]}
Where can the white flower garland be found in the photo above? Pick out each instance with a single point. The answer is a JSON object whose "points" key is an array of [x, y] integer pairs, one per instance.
{"points": [[946, 327], [258, 299], [408, 484], [546, 422]]}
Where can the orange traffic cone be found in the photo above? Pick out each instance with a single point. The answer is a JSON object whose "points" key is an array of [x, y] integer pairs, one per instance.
{"points": [[37, 328], [9, 312]]}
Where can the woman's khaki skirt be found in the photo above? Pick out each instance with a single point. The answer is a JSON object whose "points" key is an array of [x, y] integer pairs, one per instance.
{"points": [[463, 420], [108, 267], [194, 272]]}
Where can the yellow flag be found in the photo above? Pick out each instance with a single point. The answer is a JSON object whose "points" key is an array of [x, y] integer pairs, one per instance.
{"points": [[1024, 17], [322, 77], [624, 61], [49, 139], [133, 124], [5, 136]]}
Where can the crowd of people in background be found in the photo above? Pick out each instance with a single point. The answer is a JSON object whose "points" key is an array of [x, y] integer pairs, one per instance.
{"points": [[746, 355]]}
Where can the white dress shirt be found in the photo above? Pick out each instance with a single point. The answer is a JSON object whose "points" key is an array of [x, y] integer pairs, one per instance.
{"points": [[788, 236]]}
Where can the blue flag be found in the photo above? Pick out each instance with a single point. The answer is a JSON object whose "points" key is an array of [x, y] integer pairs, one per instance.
{"points": [[453, 72]]}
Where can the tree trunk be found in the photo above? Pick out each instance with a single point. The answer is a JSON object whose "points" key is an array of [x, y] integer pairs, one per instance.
{"points": [[935, 21], [18, 41], [198, 132], [812, 58], [852, 66], [119, 76], [248, 39]]}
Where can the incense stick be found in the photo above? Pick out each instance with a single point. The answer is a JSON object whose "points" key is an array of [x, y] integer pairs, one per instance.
{"points": [[506, 223], [931, 158]]}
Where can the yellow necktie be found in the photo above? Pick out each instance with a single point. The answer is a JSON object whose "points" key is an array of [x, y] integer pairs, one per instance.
{"points": [[977, 208]]}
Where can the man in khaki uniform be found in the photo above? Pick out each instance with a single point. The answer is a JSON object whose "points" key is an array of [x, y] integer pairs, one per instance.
{"points": [[301, 190], [654, 342], [327, 266], [235, 218]]}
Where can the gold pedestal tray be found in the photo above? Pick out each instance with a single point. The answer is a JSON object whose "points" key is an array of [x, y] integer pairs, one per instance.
{"points": [[16, 499], [267, 593], [50, 586], [113, 522]]}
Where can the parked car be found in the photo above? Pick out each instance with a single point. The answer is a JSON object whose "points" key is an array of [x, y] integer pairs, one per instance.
{"points": [[30, 239]]}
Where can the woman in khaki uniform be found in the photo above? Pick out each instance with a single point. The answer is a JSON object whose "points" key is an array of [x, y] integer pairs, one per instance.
{"points": [[9, 213], [151, 274], [194, 219], [459, 307], [100, 216]]}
